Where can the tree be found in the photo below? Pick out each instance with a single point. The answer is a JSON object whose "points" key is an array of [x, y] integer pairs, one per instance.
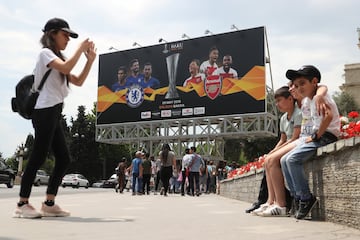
{"points": [[345, 103], [82, 145], [243, 151], [90, 158]]}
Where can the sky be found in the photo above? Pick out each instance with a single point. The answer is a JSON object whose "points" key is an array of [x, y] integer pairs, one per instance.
{"points": [[318, 32]]}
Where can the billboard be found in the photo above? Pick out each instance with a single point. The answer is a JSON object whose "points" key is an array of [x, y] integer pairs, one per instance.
{"points": [[216, 75]]}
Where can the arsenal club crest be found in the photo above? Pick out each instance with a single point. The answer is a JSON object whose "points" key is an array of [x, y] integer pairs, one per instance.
{"points": [[213, 86]]}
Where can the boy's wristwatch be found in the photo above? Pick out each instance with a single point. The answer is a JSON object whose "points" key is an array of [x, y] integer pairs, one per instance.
{"points": [[314, 137]]}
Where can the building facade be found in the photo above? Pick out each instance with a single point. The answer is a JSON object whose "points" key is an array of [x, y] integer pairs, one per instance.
{"points": [[352, 81]]}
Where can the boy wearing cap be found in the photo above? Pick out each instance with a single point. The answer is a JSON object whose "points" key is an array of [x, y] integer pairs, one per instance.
{"points": [[324, 129]]}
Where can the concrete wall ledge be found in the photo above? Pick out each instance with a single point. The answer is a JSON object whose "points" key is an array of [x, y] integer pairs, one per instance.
{"points": [[334, 178]]}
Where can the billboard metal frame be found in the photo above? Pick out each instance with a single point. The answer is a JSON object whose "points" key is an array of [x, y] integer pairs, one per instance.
{"points": [[207, 133]]}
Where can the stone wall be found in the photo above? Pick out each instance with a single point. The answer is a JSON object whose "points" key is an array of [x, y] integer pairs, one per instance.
{"points": [[334, 177]]}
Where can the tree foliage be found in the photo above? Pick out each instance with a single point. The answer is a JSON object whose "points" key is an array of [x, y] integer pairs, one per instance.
{"points": [[90, 158], [345, 103], [243, 151]]}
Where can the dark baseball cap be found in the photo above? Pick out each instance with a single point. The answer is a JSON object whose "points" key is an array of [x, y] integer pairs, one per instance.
{"points": [[59, 24], [304, 71]]}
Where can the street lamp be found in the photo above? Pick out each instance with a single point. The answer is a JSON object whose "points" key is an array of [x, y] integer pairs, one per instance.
{"points": [[76, 135], [20, 156], [112, 48], [78, 138], [358, 30]]}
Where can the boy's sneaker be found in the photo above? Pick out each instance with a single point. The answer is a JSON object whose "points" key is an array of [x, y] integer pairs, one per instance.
{"points": [[294, 207], [253, 207], [53, 211], [26, 211], [274, 211], [262, 208], [305, 207]]}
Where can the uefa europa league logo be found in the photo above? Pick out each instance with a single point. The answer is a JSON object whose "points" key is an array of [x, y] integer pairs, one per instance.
{"points": [[172, 63]]}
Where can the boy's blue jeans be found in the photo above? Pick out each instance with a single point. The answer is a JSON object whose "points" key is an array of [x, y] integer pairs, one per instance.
{"points": [[293, 169]]}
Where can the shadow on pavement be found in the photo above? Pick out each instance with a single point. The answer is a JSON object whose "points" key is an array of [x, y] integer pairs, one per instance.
{"points": [[87, 220]]}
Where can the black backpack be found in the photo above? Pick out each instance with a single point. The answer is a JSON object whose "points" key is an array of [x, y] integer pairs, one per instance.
{"points": [[25, 100]]}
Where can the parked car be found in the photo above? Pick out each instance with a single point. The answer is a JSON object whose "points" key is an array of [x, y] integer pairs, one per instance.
{"points": [[7, 175], [111, 182], [75, 181], [98, 184], [42, 178]]}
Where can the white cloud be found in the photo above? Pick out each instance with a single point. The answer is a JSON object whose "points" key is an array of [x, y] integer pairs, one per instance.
{"points": [[323, 33]]}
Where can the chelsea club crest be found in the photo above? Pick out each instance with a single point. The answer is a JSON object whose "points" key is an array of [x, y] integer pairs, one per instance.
{"points": [[135, 96]]}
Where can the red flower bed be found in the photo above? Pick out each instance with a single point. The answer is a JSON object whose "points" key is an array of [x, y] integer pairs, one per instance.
{"points": [[350, 125], [247, 168]]}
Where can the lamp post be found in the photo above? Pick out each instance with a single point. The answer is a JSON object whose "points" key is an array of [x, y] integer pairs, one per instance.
{"points": [[20, 154], [78, 138], [358, 31], [20, 158]]}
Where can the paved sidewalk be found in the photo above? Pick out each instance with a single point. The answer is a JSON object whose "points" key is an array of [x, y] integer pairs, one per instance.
{"points": [[106, 215]]}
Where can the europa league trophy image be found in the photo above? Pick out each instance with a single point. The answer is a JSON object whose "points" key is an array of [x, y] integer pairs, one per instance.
{"points": [[172, 63]]}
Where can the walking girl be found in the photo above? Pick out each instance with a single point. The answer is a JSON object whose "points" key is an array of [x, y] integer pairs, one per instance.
{"points": [[47, 115]]}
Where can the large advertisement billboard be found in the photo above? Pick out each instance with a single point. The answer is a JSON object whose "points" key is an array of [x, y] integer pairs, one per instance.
{"points": [[216, 75]]}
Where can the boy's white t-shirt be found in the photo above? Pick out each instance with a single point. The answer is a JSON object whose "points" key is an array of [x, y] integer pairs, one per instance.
{"points": [[334, 126], [55, 88]]}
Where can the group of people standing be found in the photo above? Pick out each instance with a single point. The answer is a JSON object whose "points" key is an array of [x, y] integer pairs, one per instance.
{"points": [[192, 174]]}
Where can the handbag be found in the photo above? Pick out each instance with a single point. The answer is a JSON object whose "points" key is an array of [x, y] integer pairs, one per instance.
{"points": [[180, 177], [25, 98], [187, 171]]}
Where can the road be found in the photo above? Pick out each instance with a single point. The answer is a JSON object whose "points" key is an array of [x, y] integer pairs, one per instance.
{"points": [[103, 214]]}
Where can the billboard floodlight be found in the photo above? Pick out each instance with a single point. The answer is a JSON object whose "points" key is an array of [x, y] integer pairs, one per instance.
{"points": [[162, 40], [207, 31]]}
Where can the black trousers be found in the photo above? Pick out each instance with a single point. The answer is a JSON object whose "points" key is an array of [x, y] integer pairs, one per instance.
{"points": [[194, 186], [165, 175], [263, 193], [146, 183], [49, 135]]}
